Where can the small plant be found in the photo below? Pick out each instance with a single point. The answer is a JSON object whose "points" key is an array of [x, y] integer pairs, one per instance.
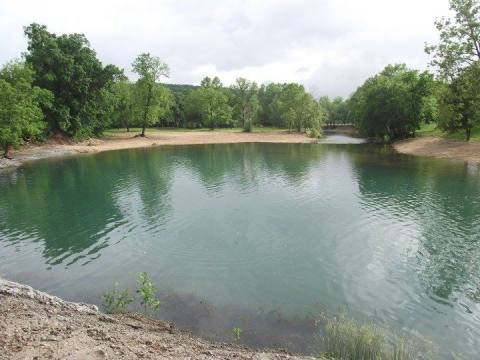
{"points": [[237, 333], [147, 292], [116, 301]]}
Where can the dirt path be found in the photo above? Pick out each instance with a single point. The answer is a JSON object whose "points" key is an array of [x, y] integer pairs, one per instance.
{"points": [[440, 148], [35, 325], [34, 152]]}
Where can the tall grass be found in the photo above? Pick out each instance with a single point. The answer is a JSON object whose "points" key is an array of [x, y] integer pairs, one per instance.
{"points": [[345, 339]]}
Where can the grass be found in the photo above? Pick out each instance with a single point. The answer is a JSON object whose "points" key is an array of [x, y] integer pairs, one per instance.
{"points": [[432, 130], [159, 131], [346, 339]]}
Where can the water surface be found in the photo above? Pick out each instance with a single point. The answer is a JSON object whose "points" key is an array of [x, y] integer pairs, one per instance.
{"points": [[260, 236]]}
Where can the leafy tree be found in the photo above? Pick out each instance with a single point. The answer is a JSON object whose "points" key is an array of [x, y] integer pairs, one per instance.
{"points": [[208, 105], [208, 82], [21, 115], [149, 94], [69, 68], [459, 102], [269, 99], [392, 104], [459, 45], [457, 57], [298, 109], [123, 112], [245, 102], [337, 111]]}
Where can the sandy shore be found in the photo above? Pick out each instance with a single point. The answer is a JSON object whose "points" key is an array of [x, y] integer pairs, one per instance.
{"points": [[35, 152], [440, 148], [35, 325]]}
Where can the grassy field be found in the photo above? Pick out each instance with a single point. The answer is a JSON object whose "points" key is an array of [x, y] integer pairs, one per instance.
{"points": [[160, 131], [432, 130]]}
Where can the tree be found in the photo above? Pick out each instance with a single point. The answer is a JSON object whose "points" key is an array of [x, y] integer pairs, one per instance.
{"points": [[245, 102], [393, 103], [459, 45], [123, 112], [208, 105], [459, 102], [269, 100], [21, 116], [150, 69], [298, 109], [457, 58], [69, 68]]}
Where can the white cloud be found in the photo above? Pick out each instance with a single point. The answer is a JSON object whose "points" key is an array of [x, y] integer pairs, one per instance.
{"points": [[331, 46]]}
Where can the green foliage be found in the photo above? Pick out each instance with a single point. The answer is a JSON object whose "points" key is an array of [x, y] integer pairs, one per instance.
{"points": [[116, 301], [208, 105], [152, 100], [244, 99], [21, 116], [123, 107], [337, 111], [69, 68], [147, 292], [459, 102], [459, 45], [237, 333], [393, 103], [345, 339]]}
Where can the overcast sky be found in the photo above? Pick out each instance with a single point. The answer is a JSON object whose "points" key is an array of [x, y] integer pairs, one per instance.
{"points": [[331, 46]]}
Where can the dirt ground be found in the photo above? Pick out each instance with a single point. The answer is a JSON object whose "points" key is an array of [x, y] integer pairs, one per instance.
{"points": [[63, 148], [440, 148], [35, 325]]}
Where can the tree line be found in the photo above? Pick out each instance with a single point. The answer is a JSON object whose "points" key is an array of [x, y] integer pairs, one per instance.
{"points": [[394, 103], [60, 86]]}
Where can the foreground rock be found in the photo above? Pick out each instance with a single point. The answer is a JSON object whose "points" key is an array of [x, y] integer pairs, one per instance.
{"points": [[35, 325], [440, 148]]}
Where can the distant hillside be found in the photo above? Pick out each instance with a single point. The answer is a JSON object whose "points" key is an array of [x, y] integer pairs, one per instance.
{"points": [[179, 88]]}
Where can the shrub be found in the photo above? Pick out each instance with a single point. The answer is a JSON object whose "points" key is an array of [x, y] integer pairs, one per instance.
{"points": [[116, 301], [147, 292], [237, 333]]}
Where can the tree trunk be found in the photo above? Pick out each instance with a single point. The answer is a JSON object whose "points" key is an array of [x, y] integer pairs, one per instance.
{"points": [[7, 152], [145, 113], [468, 132]]}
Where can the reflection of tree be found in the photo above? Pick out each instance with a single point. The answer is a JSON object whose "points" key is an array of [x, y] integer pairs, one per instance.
{"points": [[71, 205], [243, 163], [444, 199], [65, 203], [153, 173]]}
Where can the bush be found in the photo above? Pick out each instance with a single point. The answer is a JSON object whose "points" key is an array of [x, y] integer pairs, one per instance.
{"points": [[116, 301], [147, 292]]}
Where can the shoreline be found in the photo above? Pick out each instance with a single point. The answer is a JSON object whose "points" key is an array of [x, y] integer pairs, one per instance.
{"points": [[50, 149], [434, 147], [36, 324], [427, 146]]}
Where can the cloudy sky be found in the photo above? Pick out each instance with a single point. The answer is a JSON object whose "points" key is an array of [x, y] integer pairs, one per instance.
{"points": [[331, 46]]}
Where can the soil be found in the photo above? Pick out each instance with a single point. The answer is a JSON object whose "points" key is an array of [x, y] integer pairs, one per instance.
{"points": [[61, 147], [35, 325], [440, 148]]}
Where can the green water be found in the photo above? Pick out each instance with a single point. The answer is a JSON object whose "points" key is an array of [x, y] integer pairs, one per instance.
{"points": [[260, 236]]}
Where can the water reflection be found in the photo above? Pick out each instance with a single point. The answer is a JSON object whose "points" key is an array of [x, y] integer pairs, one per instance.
{"points": [[244, 227]]}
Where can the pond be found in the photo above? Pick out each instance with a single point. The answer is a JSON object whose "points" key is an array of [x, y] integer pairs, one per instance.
{"points": [[258, 236]]}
